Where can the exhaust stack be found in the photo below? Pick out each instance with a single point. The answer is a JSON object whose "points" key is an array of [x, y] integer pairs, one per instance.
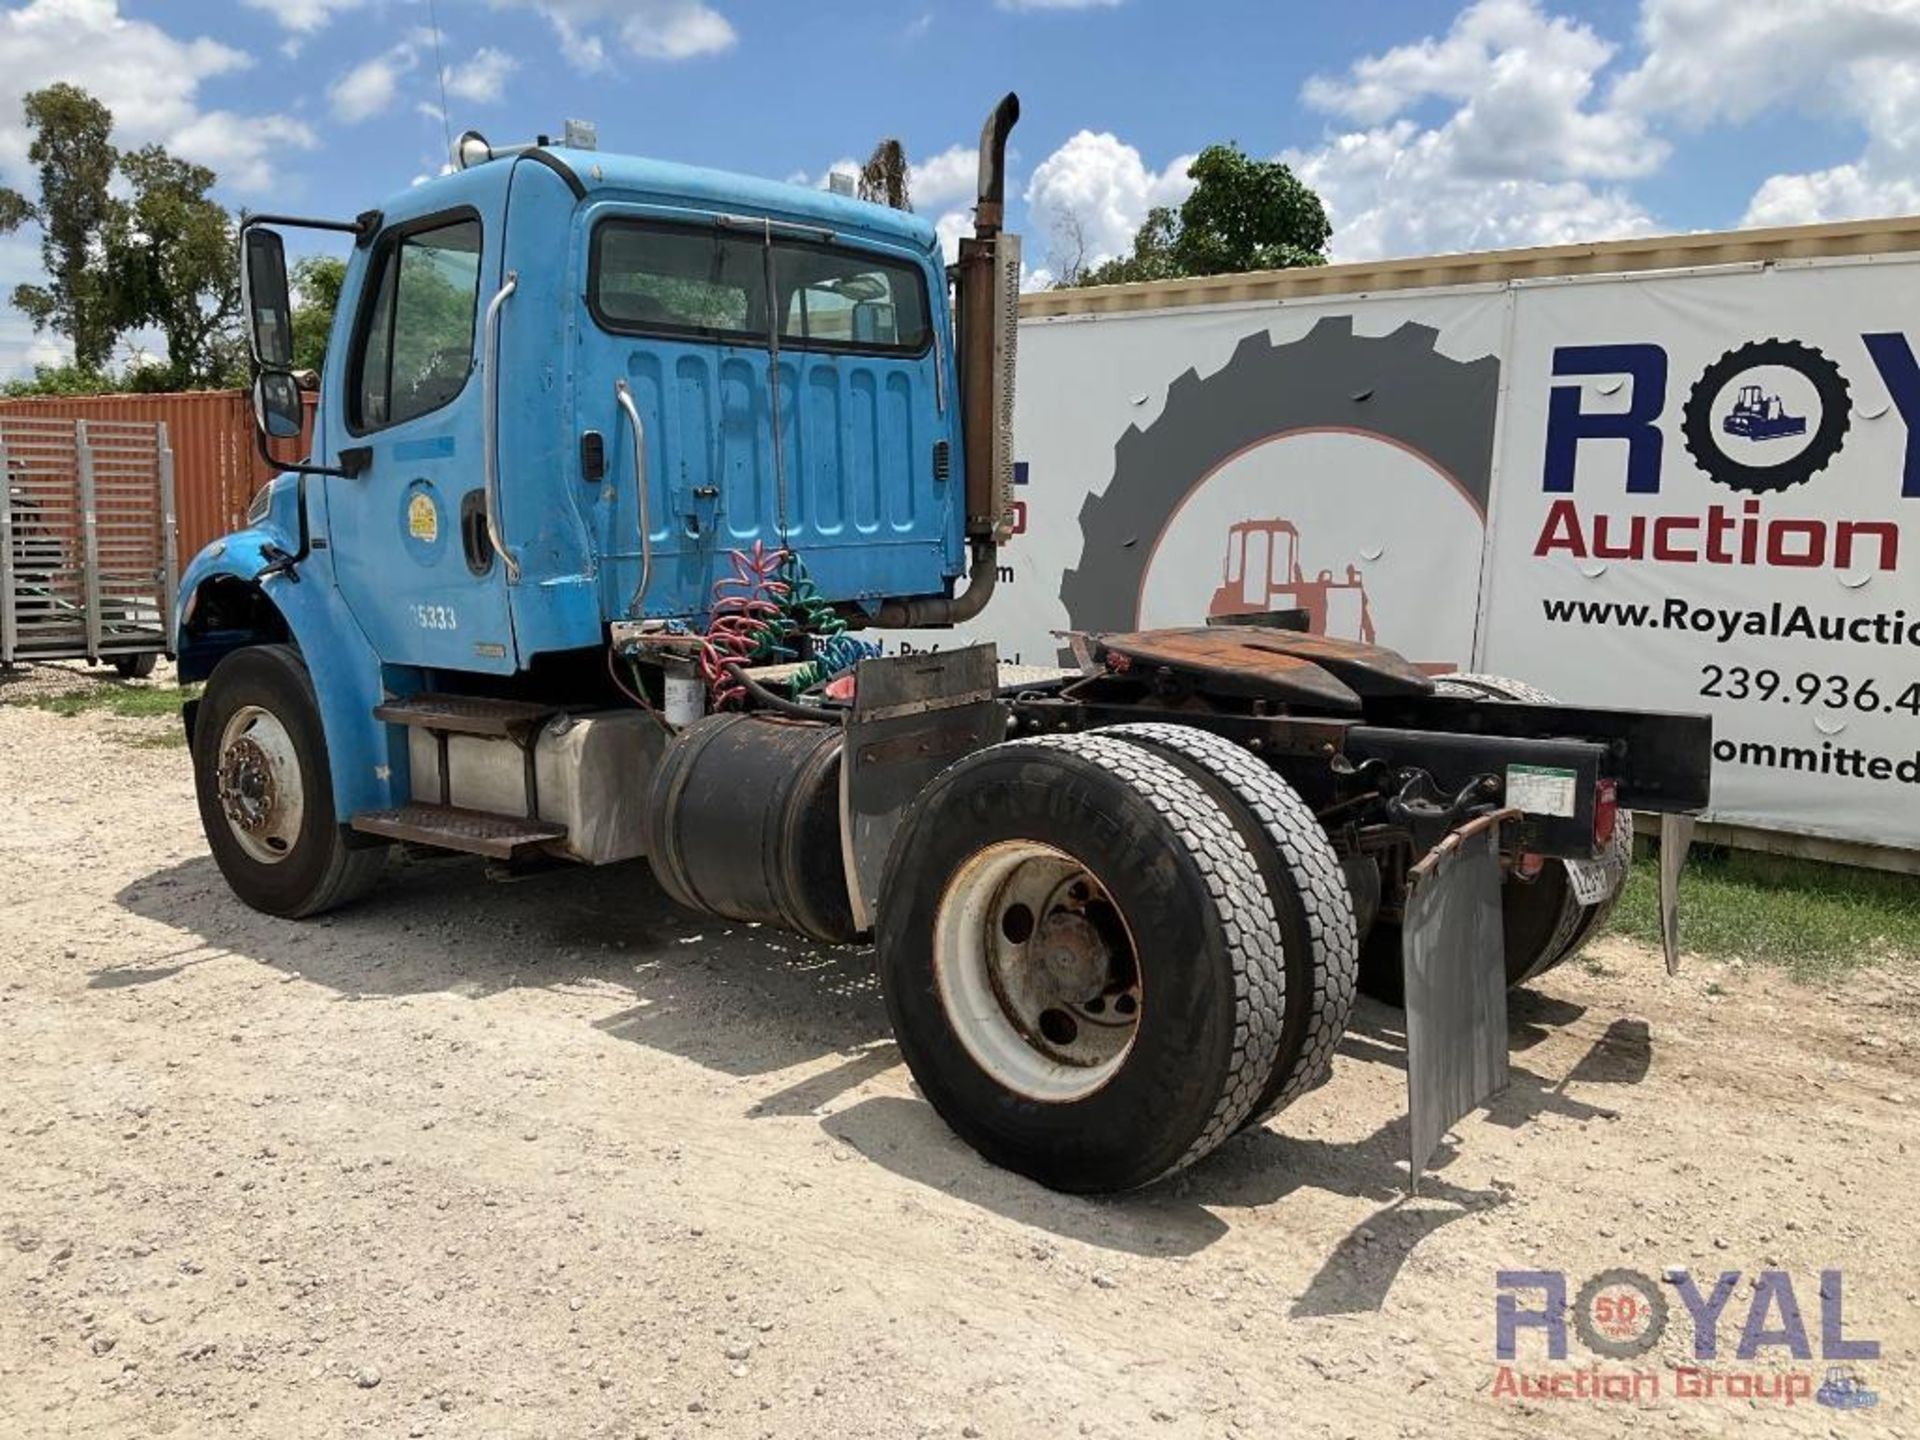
{"points": [[987, 307]]}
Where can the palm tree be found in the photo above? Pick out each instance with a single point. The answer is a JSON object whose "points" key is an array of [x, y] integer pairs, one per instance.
{"points": [[883, 179]]}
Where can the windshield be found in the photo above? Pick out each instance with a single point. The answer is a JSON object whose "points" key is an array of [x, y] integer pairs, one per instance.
{"points": [[649, 277]]}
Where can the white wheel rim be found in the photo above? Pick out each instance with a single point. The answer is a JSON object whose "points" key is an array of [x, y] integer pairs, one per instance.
{"points": [[259, 784], [1036, 971]]}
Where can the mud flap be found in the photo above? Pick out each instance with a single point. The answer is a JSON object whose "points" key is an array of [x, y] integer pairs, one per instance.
{"points": [[1676, 837], [913, 715], [1454, 954]]}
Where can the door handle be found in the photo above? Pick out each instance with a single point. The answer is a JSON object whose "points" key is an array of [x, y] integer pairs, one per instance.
{"points": [[490, 428]]}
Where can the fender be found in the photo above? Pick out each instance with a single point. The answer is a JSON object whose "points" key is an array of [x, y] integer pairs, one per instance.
{"points": [[368, 771]]}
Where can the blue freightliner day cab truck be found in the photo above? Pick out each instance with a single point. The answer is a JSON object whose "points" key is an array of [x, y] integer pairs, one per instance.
{"points": [[614, 462]]}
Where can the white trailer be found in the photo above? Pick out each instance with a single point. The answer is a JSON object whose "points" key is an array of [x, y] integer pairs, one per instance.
{"points": [[1679, 473]]}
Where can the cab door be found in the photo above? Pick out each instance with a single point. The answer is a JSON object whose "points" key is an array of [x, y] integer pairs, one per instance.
{"points": [[410, 547]]}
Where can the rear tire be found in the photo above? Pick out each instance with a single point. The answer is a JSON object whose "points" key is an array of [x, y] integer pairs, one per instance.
{"points": [[1312, 906], [266, 793], [1544, 924], [1079, 961], [135, 667]]}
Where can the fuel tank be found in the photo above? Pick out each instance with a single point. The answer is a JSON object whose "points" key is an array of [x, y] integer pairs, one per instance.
{"points": [[743, 822]]}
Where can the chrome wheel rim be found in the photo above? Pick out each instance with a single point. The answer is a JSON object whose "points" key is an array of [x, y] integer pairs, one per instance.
{"points": [[1036, 971], [258, 781]]}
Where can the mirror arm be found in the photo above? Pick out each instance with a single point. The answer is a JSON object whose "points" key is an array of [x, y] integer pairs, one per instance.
{"points": [[344, 470]]}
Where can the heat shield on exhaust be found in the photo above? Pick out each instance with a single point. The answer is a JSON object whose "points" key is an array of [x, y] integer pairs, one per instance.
{"points": [[1454, 955]]}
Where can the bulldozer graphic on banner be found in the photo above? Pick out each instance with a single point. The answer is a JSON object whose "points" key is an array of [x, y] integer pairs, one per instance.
{"points": [[1262, 572], [1757, 415]]}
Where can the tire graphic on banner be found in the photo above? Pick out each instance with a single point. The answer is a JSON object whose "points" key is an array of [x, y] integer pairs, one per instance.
{"points": [[1395, 388], [1761, 418]]}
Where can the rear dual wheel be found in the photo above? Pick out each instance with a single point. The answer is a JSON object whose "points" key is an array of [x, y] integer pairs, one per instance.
{"points": [[1084, 961]]}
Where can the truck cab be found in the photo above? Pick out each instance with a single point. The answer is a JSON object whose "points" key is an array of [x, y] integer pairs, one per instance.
{"points": [[563, 388]]}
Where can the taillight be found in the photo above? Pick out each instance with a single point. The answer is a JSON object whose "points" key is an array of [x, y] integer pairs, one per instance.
{"points": [[1606, 810]]}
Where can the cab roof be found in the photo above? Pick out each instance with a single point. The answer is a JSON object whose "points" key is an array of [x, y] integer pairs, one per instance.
{"points": [[604, 175]]}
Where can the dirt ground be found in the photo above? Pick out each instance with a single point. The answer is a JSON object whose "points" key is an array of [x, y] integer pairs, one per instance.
{"points": [[553, 1158]]}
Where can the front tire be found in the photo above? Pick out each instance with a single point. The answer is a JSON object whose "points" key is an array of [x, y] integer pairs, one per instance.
{"points": [[266, 792], [1079, 961]]}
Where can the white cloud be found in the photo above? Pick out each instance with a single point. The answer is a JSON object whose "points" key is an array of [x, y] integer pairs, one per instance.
{"points": [[147, 77], [648, 29], [952, 227], [1708, 60], [303, 16], [1523, 84], [1855, 60], [1398, 191], [247, 152], [20, 348], [369, 87], [946, 179], [1088, 198], [483, 78], [1517, 155], [150, 80], [1845, 192]]}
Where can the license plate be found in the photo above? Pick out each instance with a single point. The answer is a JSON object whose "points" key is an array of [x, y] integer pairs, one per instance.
{"points": [[1593, 880]]}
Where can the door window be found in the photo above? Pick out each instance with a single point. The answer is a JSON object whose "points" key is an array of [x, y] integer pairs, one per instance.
{"points": [[416, 338]]}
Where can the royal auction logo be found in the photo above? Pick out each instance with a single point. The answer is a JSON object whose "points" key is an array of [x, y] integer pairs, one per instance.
{"points": [[1765, 417], [1624, 1315]]}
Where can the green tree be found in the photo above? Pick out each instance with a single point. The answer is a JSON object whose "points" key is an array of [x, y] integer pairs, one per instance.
{"points": [[170, 261], [317, 282], [63, 380], [1243, 214], [128, 241], [75, 157]]}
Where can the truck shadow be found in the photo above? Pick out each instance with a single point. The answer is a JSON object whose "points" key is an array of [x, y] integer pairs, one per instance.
{"points": [[739, 999], [747, 1001]]}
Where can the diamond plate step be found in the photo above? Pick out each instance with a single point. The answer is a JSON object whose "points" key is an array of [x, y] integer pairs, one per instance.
{"points": [[466, 714], [474, 832]]}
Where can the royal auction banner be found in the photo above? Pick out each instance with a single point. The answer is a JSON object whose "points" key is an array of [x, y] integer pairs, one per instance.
{"points": [[1706, 499], [1682, 491]]}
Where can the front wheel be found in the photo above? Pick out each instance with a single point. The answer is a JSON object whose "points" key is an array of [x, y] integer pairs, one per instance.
{"points": [[1080, 962], [266, 793]]}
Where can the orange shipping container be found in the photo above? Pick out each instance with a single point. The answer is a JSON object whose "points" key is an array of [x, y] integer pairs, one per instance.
{"points": [[216, 464]]}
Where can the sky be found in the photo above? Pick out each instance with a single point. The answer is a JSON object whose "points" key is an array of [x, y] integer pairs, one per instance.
{"points": [[1426, 127]]}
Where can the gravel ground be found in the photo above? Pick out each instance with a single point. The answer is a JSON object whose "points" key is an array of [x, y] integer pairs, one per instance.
{"points": [[553, 1158]]}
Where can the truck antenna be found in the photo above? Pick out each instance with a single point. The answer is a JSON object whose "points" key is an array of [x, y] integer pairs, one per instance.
{"points": [[440, 74]]}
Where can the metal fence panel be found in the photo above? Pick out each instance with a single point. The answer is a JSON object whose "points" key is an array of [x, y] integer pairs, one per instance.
{"points": [[89, 550]]}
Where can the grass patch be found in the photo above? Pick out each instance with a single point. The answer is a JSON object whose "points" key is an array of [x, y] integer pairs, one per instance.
{"points": [[174, 738], [130, 702], [1818, 921]]}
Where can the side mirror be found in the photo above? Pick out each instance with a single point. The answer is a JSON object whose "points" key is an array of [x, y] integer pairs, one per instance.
{"points": [[874, 322], [268, 306], [277, 405]]}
